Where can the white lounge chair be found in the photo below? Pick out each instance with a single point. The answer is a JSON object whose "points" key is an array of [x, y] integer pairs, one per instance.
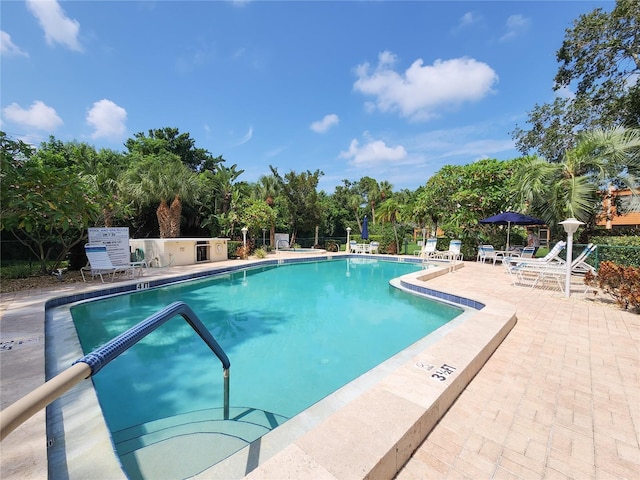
{"points": [[488, 252], [374, 247], [428, 249], [533, 273], [453, 254], [528, 252], [139, 262], [100, 264], [551, 257], [579, 265], [355, 247]]}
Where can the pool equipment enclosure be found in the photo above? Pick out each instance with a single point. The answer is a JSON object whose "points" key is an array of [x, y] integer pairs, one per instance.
{"points": [[163, 252]]}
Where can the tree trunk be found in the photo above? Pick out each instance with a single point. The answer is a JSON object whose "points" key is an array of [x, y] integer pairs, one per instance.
{"points": [[175, 214], [107, 213], [163, 214], [169, 218]]}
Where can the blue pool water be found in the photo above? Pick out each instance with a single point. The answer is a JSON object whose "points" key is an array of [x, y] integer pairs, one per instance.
{"points": [[294, 334]]}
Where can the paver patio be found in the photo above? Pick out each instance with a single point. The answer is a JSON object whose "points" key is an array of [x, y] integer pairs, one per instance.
{"points": [[560, 398]]}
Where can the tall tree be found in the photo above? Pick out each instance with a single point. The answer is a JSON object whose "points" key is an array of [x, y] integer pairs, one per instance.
{"points": [[371, 192], [180, 144], [45, 203], [224, 180], [572, 188], [103, 170], [300, 192], [393, 210], [267, 189], [600, 62], [458, 196], [161, 178]]}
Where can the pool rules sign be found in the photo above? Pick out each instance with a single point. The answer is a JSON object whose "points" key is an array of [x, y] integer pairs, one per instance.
{"points": [[117, 241]]}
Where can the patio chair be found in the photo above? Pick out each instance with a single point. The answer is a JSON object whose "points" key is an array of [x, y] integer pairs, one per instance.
{"points": [[138, 261], [579, 266], [551, 257], [452, 254], [100, 263], [428, 249], [488, 252], [355, 247], [535, 273], [374, 247], [528, 252]]}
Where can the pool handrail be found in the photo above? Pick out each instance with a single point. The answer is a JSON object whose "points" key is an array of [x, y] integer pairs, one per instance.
{"points": [[18, 412]]}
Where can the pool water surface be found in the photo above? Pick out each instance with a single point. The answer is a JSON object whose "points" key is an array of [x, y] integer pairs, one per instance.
{"points": [[294, 334]]}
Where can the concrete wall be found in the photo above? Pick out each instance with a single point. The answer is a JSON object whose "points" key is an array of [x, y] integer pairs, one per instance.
{"points": [[163, 252]]}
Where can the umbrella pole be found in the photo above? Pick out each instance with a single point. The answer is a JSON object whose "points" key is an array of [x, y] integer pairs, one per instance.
{"points": [[508, 231]]}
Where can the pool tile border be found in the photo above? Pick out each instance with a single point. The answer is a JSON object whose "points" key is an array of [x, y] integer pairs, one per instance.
{"points": [[144, 284], [413, 282]]}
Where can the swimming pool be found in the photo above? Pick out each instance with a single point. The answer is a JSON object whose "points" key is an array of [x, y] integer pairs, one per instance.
{"points": [[246, 311]]}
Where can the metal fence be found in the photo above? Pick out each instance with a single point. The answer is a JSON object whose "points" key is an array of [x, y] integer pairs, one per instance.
{"points": [[626, 255]]}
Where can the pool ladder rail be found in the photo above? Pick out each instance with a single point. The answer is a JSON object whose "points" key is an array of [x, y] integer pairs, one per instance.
{"points": [[17, 413]]}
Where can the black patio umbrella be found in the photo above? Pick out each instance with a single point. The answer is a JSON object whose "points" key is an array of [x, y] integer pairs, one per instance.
{"points": [[365, 229], [512, 218]]}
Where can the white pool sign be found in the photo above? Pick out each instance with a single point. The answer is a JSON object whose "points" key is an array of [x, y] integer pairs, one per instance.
{"points": [[116, 240]]}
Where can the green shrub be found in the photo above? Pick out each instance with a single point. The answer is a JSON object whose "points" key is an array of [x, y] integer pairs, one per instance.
{"points": [[232, 248], [18, 270], [25, 269], [622, 250]]}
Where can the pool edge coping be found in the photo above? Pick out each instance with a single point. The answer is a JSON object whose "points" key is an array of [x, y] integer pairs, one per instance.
{"points": [[310, 456], [416, 284]]}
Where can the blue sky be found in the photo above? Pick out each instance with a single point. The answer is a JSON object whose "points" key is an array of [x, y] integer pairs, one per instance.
{"points": [[388, 89]]}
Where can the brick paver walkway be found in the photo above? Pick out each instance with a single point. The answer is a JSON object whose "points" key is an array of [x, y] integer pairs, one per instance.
{"points": [[560, 398]]}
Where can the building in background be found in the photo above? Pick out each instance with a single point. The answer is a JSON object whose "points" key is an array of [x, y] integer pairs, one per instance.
{"points": [[623, 198]]}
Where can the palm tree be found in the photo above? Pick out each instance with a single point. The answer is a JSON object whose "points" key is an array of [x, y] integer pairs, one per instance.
{"points": [[267, 189], [164, 179], [355, 201], [391, 210], [224, 179], [571, 188], [102, 171]]}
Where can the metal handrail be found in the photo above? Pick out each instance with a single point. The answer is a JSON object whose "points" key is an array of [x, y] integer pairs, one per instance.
{"points": [[20, 411]]}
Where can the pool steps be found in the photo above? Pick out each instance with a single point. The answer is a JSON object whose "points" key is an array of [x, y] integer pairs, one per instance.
{"points": [[149, 450]]}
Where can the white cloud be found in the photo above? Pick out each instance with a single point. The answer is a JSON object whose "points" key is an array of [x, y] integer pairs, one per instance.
{"points": [[467, 20], [38, 115], [565, 92], [516, 26], [463, 144], [422, 91], [8, 48], [321, 126], [107, 119], [58, 28], [374, 152], [247, 136]]}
